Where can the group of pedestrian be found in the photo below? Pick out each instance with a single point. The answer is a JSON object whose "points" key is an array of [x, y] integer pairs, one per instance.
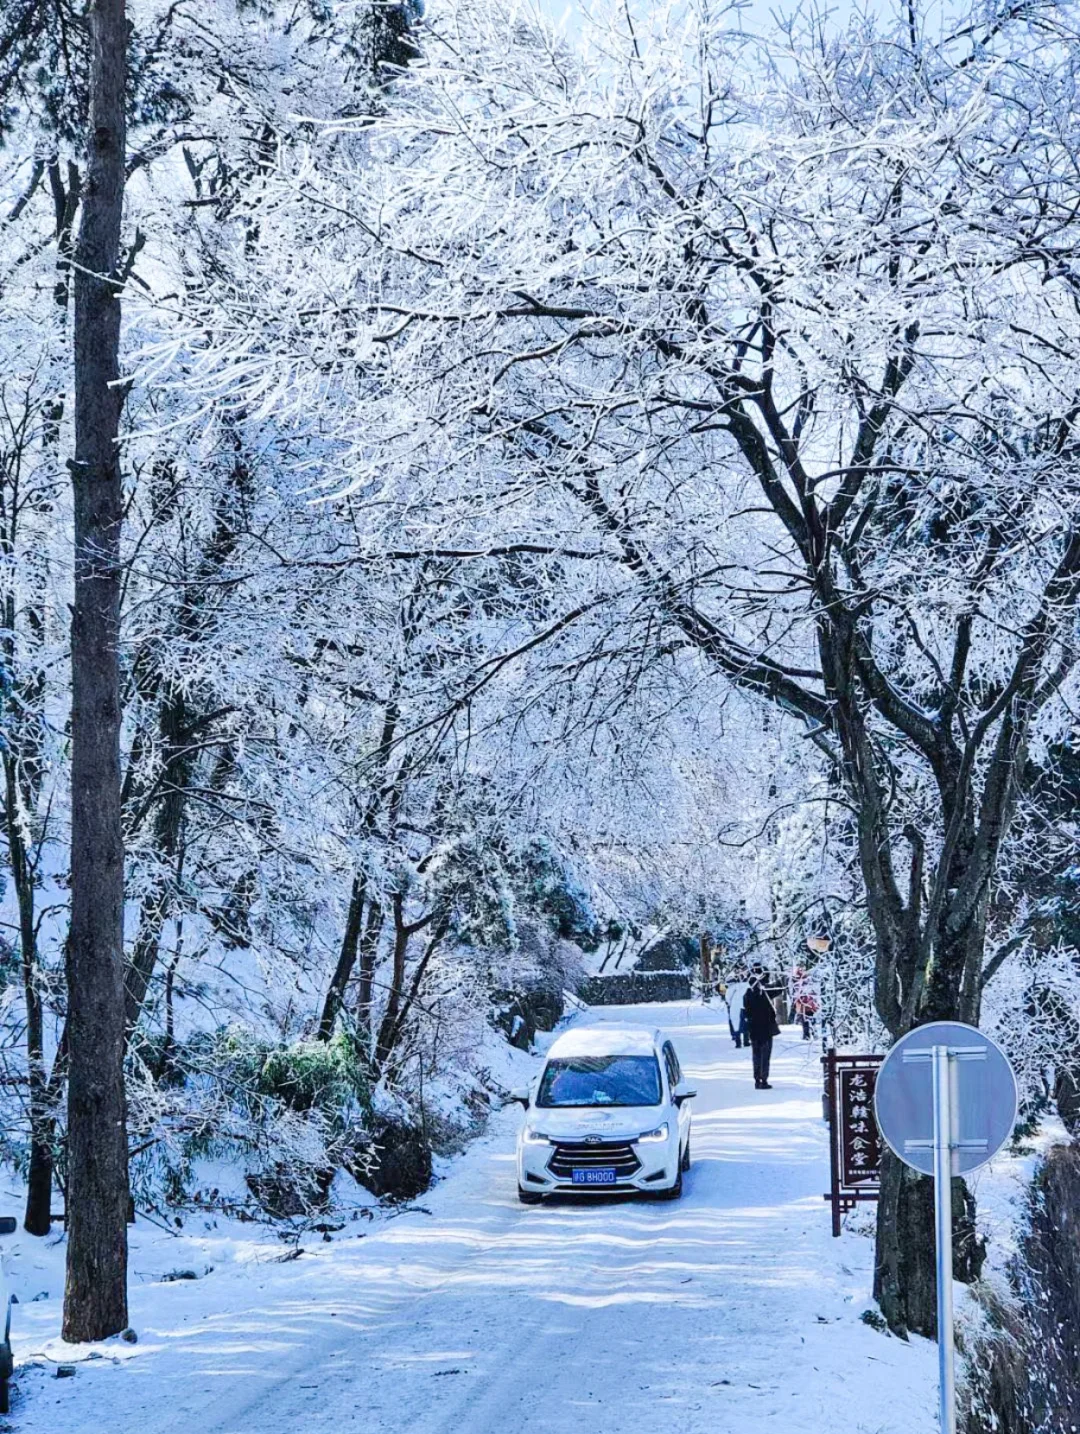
{"points": [[752, 1016], [752, 1021]]}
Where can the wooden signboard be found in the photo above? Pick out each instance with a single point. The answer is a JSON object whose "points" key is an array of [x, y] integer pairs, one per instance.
{"points": [[854, 1139]]}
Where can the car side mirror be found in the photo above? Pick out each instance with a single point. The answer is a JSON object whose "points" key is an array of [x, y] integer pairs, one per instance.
{"points": [[8, 1224], [521, 1096], [682, 1092]]}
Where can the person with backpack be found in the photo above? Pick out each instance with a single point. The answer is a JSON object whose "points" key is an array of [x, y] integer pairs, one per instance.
{"points": [[736, 991], [805, 1002], [762, 1025]]}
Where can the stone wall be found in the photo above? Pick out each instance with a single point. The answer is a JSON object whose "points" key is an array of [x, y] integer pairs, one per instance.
{"points": [[628, 988]]}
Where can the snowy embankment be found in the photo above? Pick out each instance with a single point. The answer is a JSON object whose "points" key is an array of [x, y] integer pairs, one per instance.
{"points": [[729, 1310]]}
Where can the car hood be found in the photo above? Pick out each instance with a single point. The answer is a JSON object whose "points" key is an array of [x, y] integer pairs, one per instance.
{"points": [[625, 1122]]}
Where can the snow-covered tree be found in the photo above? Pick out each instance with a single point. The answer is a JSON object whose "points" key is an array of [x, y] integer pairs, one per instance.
{"points": [[783, 348]]}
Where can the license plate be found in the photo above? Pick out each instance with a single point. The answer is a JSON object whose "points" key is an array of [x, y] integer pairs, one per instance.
{"points": [[600, 1176]]}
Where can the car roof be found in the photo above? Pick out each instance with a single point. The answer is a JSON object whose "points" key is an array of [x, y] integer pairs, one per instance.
{"points": [[605, 1039]]}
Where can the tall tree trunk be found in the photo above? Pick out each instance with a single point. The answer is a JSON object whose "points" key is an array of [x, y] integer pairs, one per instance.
{"points": [[174, 725], [38, 1213], [95, 1304], [389, 1035], [905, 1273], [39, 1180], [23, 761], [361, 940], [36, 1220], [22, 765], [350, 947], [369, 946], [144, 951], [402, 932]]}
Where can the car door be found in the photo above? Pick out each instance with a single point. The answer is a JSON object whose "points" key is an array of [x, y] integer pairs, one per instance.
{"points": [[674, 1075]]}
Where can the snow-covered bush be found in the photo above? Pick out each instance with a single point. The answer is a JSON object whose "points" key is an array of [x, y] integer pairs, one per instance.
{"points": [[286, 1115], [1023, 1367]]}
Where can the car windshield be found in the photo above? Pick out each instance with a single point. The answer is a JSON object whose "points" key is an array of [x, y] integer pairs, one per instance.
{"points": [[600, 1080]]}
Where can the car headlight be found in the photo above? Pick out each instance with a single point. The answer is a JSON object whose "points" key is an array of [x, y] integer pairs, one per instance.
{"points": [[535, 1137], [660, 1133]]}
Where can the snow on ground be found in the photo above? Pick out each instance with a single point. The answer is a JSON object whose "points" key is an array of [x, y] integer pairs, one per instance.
{"points": [[467, 1312]]}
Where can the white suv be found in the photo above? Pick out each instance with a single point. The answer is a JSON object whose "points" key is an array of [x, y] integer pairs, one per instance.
{"points": [[609, 1111]]}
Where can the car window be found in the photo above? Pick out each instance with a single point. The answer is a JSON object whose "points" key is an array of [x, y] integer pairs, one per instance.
{"points": [[671, 1060], [600, 1080]]}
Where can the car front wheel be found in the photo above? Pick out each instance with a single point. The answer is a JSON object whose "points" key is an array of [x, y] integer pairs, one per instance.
{"points": [[529, 1197], [686, 1156]]}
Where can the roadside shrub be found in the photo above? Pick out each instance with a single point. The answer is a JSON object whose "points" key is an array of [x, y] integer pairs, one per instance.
{"points": [[1024, 1372], [306, 1075], [396, 1163], [289, 1114]]}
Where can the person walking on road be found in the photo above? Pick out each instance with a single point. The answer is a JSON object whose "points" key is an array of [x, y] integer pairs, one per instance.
{"points": [[805, 1002], [763, 1026], [736, 992]]}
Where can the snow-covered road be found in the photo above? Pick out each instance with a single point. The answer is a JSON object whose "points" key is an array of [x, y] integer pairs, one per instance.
{"points": [[730, 1310]]}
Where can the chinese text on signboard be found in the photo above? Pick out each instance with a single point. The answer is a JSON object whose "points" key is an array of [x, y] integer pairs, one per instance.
{"points": [[855, 1143]]}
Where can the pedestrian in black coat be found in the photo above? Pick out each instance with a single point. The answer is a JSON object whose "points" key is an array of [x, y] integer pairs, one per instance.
{"points": [[763, 1026]]}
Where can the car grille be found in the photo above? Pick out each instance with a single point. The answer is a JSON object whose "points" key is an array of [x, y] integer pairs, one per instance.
{"points": [[584, 1155]]}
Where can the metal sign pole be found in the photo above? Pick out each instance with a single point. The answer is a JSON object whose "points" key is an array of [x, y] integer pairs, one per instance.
{"points": [[940, 1079], [944, 1140]]}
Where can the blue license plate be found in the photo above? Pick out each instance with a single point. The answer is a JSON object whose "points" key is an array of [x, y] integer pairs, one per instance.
{"points": [[601, 1176]]}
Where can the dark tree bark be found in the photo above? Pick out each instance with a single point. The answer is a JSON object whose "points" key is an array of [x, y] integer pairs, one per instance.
{"points": [[361, 938], [95, 1304], [398, 1001], [41, 1172], [905, 1275], [365, 983], [23, 769], [176, 732], [37, 1218], [390, 1033], [350, 949], [402, 932]]}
